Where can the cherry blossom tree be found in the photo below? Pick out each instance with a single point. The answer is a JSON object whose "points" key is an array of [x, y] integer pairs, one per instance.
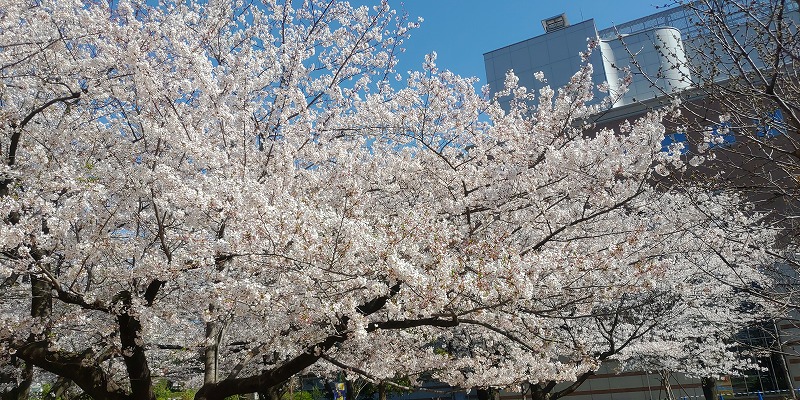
{"points": [[237, 192], [750, 56], [740, 113], [743, 62], [688, 313], [740, 117]]}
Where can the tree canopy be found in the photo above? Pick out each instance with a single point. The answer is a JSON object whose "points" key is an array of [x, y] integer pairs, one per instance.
{"points": [[237, 192]]}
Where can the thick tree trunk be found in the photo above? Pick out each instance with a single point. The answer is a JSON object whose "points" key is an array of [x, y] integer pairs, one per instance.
{"points": [[23, 385], [41, 308], [382, 391], [41, 297], [709, 388], [349, 392], [214, 333], [80, 368], [210, 353], [273, 393], [132, 342], [782, 354], [488, 394], [20, 387], [545, 392], [60, 389], [540, 393]]}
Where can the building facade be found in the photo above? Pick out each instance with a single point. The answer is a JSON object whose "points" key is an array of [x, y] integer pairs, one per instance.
{"points": [[656, 49]]}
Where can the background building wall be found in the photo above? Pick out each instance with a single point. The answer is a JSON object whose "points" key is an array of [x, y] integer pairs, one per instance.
{"points": [[556, 54], [654, 59]]}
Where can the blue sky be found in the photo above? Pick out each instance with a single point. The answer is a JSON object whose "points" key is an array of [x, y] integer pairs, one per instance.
{"points": [[460, 31]]}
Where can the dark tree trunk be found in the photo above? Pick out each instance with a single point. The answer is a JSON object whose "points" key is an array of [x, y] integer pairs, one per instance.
{"points": [[348, 390], [488, 394], [41, 308], [540, 393], [382, 391], [709, 388], [60, 389], [273, 393], [20, 390], [41, 297], [283, 372], [546, 391], [80, 368], [130, 334]]}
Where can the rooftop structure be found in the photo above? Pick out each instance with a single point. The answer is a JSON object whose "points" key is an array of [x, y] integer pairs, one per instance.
{"points": [[657, 49]]}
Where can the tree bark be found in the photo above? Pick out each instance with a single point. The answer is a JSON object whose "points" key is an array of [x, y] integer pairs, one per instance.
{"points": [[665, 377], [488, 393], [279, 374], [130, 334], [274, 393], [79, 368], [20, 390], [782, 354], [539, 392], [60, 389], [41, 308], [41, 297], [709, 388], [211, 352], [349, 392], [382, 391]]}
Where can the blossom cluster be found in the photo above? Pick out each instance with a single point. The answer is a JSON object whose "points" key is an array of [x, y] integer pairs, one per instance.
{"points": [[238, 187]]}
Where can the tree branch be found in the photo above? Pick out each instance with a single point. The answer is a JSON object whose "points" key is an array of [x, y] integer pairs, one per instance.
{"points": [[79, 368], [274, 376]]}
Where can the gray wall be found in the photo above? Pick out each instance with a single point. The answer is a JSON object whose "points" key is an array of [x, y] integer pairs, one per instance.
{"points": [[556, 54]]}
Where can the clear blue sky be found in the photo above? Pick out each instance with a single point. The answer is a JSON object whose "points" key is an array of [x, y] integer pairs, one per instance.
{"points": [[460, 31]]}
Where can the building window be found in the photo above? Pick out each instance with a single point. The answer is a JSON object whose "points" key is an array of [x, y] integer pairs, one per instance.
{"points": [[769, 376]]}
